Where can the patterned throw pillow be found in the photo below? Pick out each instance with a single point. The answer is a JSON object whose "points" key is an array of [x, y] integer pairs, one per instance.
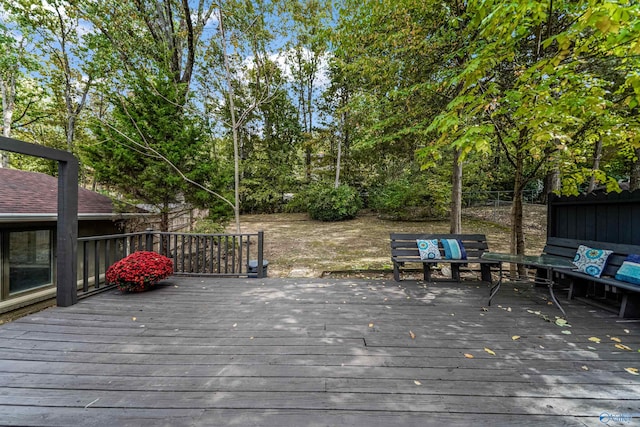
{"points": [[429, 249], [453, 249], [629, 271], [591, 261]]}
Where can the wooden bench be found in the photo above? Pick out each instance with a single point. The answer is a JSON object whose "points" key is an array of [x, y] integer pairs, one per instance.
{"points": [[629, 292], [404, 249]]}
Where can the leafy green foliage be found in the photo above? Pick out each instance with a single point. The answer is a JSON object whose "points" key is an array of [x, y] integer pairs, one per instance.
{"points": [[412, 199], [147, 137], [327, 203]]}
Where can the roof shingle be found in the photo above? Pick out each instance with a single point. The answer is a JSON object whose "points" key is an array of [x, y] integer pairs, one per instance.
{"points": [[23, 192]]}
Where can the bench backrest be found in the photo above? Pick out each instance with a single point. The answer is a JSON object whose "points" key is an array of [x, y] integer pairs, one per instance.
{"points": [[404, 245], [567, 248]]}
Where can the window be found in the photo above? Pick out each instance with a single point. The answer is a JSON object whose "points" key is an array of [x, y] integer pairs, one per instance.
{"points": [[28, 262]]}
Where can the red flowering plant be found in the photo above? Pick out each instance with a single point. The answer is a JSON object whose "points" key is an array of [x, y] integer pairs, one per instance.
{"points": [[139, 271]]}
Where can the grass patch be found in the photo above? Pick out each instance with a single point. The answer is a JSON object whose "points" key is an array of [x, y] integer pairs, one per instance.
{"points": [[295, 242]]}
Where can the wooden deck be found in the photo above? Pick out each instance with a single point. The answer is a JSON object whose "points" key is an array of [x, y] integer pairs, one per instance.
{"points": [[311, 352]]}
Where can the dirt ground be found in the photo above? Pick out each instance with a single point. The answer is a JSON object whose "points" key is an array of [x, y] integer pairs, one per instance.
{"points": [[297, 246]]}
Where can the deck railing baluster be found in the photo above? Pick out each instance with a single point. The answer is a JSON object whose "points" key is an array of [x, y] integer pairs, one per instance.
{"points": [[219, 255], [210, 253], [175, 251], [197, 253], [96, 264], [85, 267], [233, 254], [226, 251], [248, 251], [107, 254], [240, 254], [182, 261]]}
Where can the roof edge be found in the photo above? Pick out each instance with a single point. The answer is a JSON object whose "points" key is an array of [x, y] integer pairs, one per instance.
{"points": [[22, 217]]}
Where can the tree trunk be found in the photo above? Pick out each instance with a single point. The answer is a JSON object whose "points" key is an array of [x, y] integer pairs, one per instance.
{"points": [[517, 213], [634, 179], [456, 194], [8, 106], [71, 130], [596, 165], [338, 160], [551, 183], [234, 127], [164, 218]]}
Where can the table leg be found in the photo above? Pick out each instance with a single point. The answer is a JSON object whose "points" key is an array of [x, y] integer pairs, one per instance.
{"points": [[495, 288], [553, 295]]}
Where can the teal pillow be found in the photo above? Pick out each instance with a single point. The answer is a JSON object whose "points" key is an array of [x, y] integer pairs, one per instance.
{"points": [[591, 261], [453, 249], [629, 271], [428, 249]]}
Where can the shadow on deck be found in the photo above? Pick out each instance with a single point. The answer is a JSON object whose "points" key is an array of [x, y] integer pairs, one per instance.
{"points": [[307, 352]]}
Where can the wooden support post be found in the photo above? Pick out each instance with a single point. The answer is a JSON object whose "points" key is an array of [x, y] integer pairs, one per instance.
{"points": [[67, 228], [67, 240], [260, 255]]}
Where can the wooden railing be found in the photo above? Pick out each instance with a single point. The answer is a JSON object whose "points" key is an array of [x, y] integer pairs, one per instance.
{"points": [[215, 255]]}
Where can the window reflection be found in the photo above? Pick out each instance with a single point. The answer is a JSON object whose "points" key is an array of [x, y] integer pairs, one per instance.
{"points": [[29, 260]]}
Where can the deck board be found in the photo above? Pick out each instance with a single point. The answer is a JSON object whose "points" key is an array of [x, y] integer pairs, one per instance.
{"points": [[310, 352]]}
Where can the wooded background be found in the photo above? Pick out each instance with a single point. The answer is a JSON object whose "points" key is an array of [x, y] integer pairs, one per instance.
{"points": [[397, 105]]}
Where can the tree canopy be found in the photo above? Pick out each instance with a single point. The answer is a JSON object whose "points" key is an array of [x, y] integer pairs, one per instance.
{"points": [[236, 106]]}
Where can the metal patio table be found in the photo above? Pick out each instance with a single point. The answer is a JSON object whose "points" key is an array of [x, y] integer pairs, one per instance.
{"points": [[544, 262]]}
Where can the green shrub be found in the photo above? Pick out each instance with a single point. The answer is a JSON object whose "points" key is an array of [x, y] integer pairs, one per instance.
{"points": [[326, 203], [406, 199], [299, 203]]}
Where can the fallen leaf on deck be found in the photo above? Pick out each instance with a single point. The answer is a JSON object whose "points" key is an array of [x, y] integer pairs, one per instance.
{"points": [[484, 309], [632, 371], [491, 352], [515, 337], [133, 318], [561, 322], [509, 309], [371, 325], [566, 332], [416, 382], [626, 331], [412, 335], [585, 368], [623, 347], [235, 324], [616, 339], [591, 348], [468, 355], [594, 339]]}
